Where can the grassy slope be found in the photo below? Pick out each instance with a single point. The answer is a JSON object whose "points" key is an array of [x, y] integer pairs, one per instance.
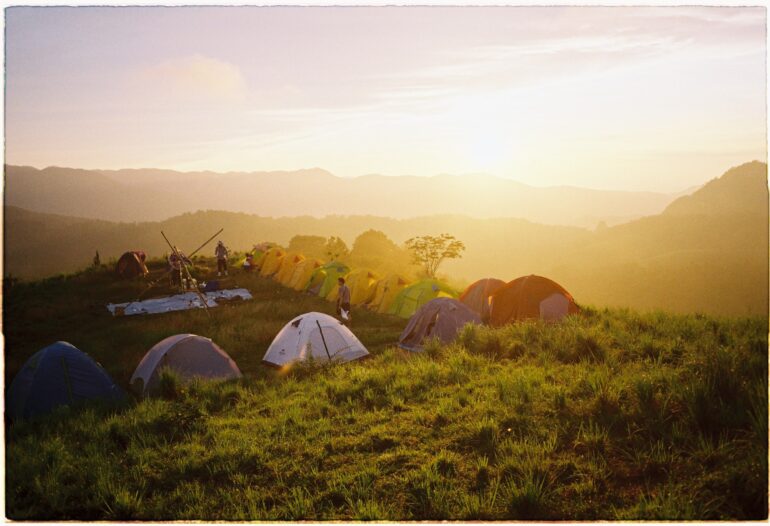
{"points": [[609, 415]]}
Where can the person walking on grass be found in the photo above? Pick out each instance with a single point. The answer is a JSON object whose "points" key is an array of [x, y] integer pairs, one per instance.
{"points": [[343, 302], [221, 253]]}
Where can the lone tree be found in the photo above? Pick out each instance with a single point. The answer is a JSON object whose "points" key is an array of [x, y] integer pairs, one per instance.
{"points": [[336, 249], [431, 251]]}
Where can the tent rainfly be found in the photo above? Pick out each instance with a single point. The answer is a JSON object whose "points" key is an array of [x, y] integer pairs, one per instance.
{"points": [[440, 318], [314, 336], [60, 374], [187, 355]]}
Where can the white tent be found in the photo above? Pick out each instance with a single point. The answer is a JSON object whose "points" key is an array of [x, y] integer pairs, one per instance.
{"points": [[317, 335], [187, 355]]}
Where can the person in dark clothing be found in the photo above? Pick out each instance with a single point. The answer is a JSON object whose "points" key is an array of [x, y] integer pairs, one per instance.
{"points": [[343, 301]]}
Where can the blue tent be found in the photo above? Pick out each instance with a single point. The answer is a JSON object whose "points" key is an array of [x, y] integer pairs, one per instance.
{"points": [[58, 375]]}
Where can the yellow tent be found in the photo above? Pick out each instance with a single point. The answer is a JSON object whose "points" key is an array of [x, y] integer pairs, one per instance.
{"points": [[361, 283], [302, 273], [386, 291], [272, 261], [286, 269]]}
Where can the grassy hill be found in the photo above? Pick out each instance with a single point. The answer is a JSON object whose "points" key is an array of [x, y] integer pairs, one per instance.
{"points": [[612, 414]]}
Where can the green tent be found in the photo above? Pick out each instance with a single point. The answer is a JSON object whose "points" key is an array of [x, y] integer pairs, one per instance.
{"points": [[324, 278], [415, 296]]}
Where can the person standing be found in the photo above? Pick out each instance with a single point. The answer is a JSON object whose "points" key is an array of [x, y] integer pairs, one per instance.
{"points": [[175, 269], [221, 253], [343, 301]]}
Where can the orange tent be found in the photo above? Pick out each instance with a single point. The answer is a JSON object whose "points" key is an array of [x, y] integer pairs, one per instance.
{"points": [[530, 297], [476, 296], [131, 265]]}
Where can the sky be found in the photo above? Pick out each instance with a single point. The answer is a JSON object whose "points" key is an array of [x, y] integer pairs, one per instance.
{"points": [[629, 98]]}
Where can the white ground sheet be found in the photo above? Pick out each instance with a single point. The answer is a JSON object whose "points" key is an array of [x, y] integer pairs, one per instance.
{"points": [[188, 300]]}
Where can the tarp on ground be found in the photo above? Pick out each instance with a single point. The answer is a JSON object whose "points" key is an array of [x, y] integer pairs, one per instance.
{"points": [[185, 301]]}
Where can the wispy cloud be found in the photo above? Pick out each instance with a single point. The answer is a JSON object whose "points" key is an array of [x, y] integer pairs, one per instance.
{"points": [[193, 77]]}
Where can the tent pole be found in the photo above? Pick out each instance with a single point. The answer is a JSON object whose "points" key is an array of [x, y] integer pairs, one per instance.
{"points": [[206, 243], [323, 340]]}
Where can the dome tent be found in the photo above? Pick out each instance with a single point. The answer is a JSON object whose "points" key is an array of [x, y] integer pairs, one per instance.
{"points": [[303, 271], [362, 284], [314, 335], [187, 355], [530, 297], [476, 296], [286, 270], [418, 294], [131, 265], [324, 279], [386, 291], [60, 374], [440, 318], [271, 262]]}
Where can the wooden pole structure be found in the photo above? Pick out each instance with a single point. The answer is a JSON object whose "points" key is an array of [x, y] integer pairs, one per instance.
{"points": [[206, 243], [187, 271], [153, 283]]}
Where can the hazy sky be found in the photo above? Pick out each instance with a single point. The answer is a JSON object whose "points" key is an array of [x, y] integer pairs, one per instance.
{"points": [[626, 98]]}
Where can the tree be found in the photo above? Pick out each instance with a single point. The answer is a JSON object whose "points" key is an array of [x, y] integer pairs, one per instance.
{"points": [[336, 249], [431, 251], [309, 246]]}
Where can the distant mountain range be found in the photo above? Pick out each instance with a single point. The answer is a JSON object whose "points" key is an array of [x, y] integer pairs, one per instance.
{"points": [[707, 252], [155, 195]]}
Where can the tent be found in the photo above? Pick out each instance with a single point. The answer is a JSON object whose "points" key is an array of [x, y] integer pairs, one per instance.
{"points": [[362, 284], [131, 265], [476, 296], [386, 291], [324, 279], [286, 270], [187, 355], [314, 335], [303, 271], [530, 297], [60, 374], [271, 262], [440, 318], [415, 296], [260, 251]]}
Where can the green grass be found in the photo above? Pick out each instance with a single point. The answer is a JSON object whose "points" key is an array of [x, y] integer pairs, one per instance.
{"points": [[613, 415]]}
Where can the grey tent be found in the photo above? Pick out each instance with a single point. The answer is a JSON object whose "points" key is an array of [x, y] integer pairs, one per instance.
{"points": [[441, 318], [186, 354]]}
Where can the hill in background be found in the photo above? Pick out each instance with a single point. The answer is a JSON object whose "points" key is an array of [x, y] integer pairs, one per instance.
{"points": [[156, 195], [707, 252]]}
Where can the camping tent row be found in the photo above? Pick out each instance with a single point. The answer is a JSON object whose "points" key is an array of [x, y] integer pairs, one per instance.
{"points": [[489, 301], [391, 294], [63, 375]]}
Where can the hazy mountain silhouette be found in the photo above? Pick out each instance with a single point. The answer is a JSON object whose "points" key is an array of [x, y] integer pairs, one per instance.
{"points": [[695, 256], [741, 190], [153, 195]]}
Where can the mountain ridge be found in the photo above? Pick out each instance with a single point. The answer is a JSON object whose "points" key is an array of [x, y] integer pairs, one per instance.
{"points": [[150, 194]]}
